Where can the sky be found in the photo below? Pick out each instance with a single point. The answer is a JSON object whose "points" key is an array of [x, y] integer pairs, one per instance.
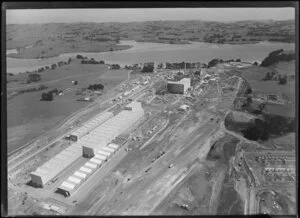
{"points": [[27, 16]]}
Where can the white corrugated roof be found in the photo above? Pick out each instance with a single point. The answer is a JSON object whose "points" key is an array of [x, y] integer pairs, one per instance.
{"points": [[113, 146], [94, 160], [108, 149], [84, 169], [90, 165], [103, 153], [100, 157], [74, 179], [80, 174], [68, 185]]}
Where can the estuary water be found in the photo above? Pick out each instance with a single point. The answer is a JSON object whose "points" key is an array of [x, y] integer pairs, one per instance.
{"points": [[142, 52]]}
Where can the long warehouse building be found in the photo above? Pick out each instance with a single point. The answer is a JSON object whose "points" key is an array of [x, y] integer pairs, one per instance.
{"points": [[98, 120], [109, 130], [55, 165], [58, 163], [70, 185]]}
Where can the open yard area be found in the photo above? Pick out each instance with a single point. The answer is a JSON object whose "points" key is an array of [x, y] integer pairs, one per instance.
{"points": [[191, 197]]}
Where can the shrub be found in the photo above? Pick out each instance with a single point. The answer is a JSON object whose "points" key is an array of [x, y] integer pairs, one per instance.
{"points": [[96, 87], [33, 77], [47, 96], [282, 80], [115, 66], [53, 66], [79, 56], [148, 68]]}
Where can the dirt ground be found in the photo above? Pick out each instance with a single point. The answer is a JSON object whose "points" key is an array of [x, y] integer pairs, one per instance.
{"points": [[194, 191]]}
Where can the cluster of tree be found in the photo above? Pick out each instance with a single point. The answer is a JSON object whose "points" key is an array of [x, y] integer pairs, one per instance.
{"points": [[148, 67], [34, 89], [52, 67], [115, 66], [96, 87], [48, 96], [216, 61], [41, 87], [270, 76], [132, 67], [276, 56], [273, 125], [282, 80], [33, 77], [182, 65], [92, 61], [80, 57]]}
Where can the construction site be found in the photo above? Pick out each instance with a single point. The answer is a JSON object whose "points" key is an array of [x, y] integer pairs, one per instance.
{"points": [[153, 152]]}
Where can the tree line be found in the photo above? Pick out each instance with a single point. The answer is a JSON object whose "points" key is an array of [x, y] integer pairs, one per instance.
{"points": [[48, 96], [276, 56], [95, 87]]}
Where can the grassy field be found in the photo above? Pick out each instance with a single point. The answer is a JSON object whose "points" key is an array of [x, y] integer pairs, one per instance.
{"points": [[28, 117], [254, 76]]}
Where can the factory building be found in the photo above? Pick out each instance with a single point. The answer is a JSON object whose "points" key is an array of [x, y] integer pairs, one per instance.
{"points": [[77, 134], [109, 130], [68, 186], [179, 87], [55, 165]]}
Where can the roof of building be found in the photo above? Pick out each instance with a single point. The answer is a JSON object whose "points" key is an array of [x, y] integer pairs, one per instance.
{"points": [[80, 174], [74, 179], [86, 170], [67, 186], [90, 165], [96, 161], [184, 81]]}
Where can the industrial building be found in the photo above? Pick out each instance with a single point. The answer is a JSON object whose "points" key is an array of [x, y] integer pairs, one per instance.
{"points": [[110, 129], [77, 134], [179, 87], [93, 144], [55, 165], [68, 186]]}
